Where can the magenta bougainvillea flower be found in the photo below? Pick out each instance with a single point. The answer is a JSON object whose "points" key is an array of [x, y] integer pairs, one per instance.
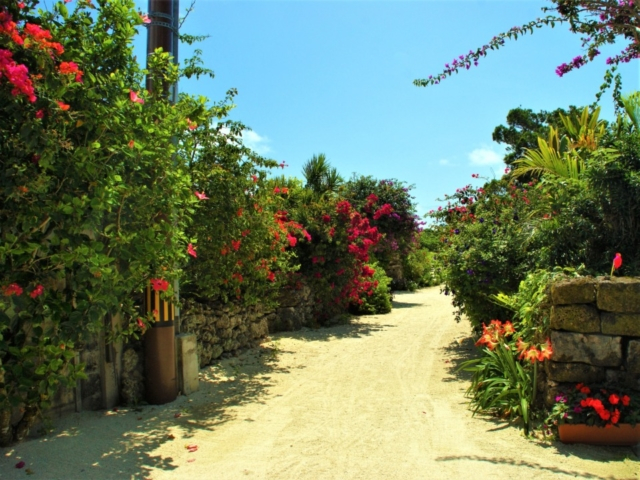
{"points": [[201, 196], [191, 250]]}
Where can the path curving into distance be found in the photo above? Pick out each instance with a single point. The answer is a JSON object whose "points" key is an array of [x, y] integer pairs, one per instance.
{"points": [[378, 398]]}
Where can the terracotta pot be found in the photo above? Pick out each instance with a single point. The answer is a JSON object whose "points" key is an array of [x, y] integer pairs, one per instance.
{"points": [[623, 434]]}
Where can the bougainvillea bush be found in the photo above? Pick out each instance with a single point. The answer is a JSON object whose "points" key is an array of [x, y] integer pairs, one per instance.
{"points": [[244, 240], [389, 206], [94, 194], [333, 261], [483, 233]]}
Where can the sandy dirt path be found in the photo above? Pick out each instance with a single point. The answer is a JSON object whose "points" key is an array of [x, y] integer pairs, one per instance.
{"points": [[378, 398]]}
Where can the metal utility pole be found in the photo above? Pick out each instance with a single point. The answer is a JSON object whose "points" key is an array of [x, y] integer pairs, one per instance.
{"points": [[160, 351]]}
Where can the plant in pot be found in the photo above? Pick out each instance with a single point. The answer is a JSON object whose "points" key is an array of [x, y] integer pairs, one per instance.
{"points": [[596, 415]]}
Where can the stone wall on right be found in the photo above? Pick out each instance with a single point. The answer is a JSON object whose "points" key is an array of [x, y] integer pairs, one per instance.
{"points": [[595, 333]]}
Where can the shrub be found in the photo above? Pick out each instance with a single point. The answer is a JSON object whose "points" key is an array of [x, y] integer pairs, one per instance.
{"points": [[378, 298], [93, 202]]}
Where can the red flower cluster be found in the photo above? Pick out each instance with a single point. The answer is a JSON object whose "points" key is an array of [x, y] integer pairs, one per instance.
{"points": [[159, 284], [385, 209], [611, 416], [492, 334], [71, 68], [496, 331], [12, 289], [343, 208]]}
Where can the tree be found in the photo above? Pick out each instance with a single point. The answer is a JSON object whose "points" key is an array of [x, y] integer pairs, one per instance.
{"points": [[320, 176], [524, 126]]}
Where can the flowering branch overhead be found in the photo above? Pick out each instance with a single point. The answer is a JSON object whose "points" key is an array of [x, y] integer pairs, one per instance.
{"points": [[599, 22]]}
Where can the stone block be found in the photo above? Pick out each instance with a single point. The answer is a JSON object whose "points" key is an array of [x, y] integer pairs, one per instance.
{"points": [[574, 290], [597, 350], [259, 329], [576, 318], [574, 372], [633, 359], [618, 294], [627, 324], [223, 322], [187, 353]]}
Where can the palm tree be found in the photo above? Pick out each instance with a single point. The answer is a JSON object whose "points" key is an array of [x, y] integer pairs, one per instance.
{"points": [[321, 178], [564, 156]]}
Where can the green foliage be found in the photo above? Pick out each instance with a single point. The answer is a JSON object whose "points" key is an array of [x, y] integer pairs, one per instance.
{"points": [[501, 385], [422, 268], [504, 380], [321, 177], [531, 304], [239, 257], [524, 127], [92, 201], [378, 299], [483, 234], [565, 156]]}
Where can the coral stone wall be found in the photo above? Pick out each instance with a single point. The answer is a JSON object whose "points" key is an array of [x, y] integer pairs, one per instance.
{"points": [[225, 329], [595, 332]]}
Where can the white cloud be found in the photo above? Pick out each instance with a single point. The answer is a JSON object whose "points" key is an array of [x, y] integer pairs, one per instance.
{"points": [[256, 142], [443, 161], [485, 156]]}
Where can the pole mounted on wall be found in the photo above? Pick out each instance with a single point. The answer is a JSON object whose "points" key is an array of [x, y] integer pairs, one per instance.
{"points": [[160, 351]]}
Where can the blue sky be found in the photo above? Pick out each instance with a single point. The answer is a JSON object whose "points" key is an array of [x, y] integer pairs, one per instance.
{"points": [[335, 77]]}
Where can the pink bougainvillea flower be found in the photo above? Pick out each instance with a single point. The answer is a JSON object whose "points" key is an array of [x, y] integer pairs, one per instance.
{"points": [[12, 289], [63, 106], [141, 324], [201, 195], [21, 5], [36, 292], [271, 277], [254, 178], [292, 240], [159, 284], [276, 190], [191, 250], [145, 18], [40, 114], [282, 165], [135, 98]]}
